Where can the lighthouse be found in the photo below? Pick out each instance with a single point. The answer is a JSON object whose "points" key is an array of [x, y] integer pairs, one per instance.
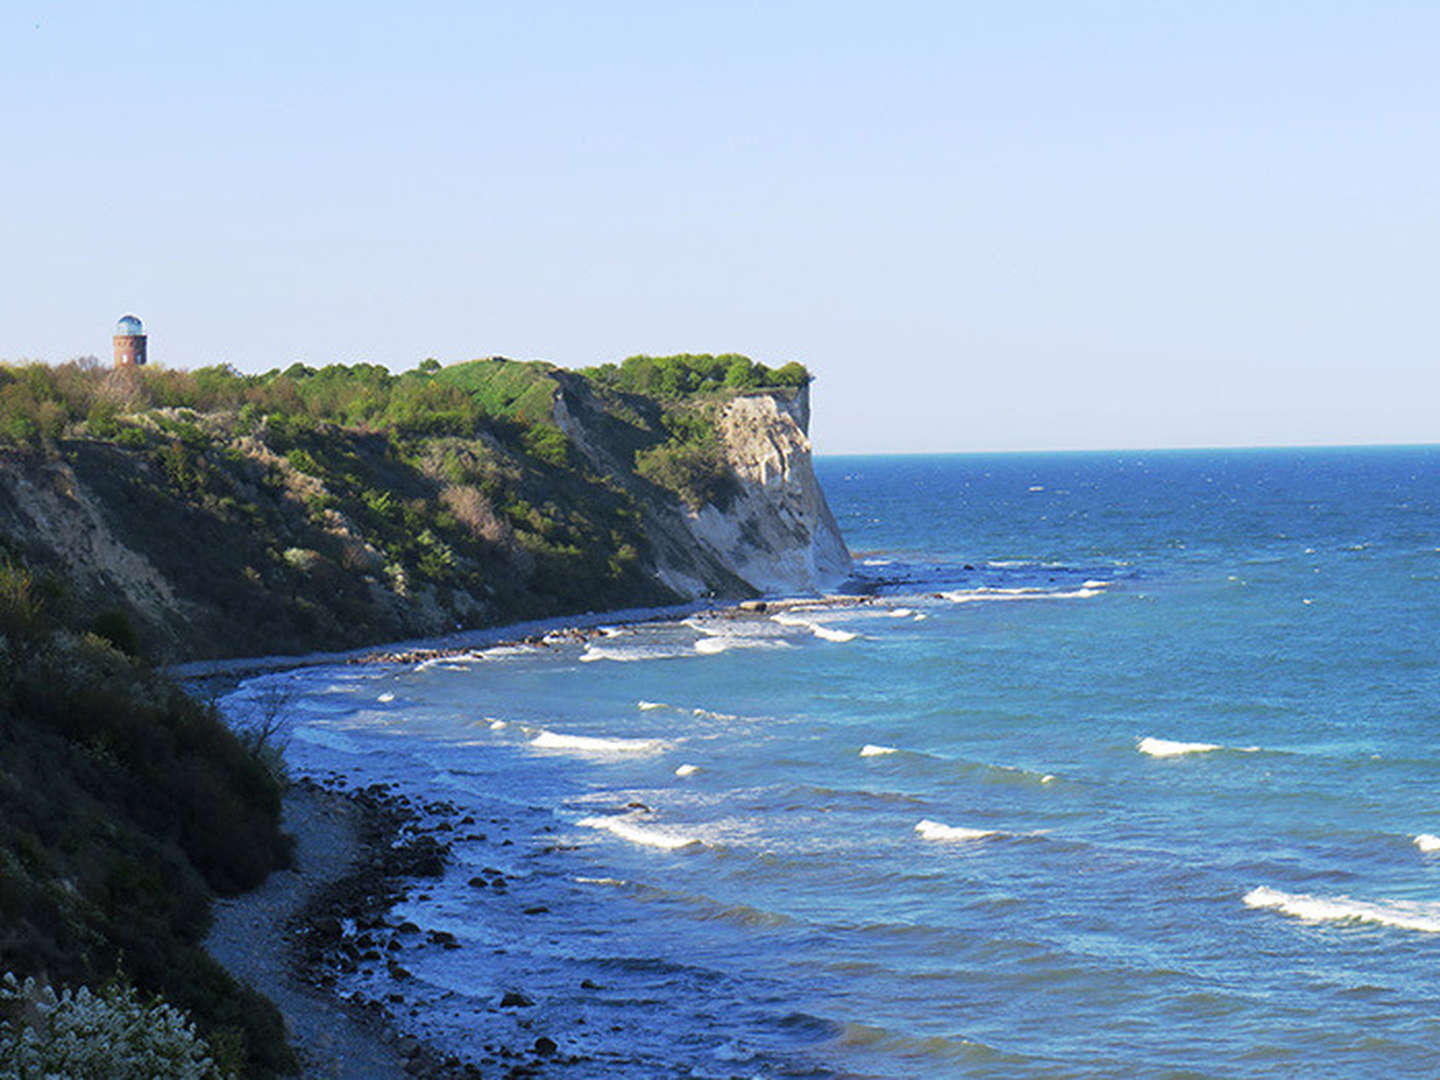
{"points": [[129, 342]]}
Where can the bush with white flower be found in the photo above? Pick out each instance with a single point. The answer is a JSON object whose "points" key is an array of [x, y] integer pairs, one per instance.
{"points": [[112, 1035]]}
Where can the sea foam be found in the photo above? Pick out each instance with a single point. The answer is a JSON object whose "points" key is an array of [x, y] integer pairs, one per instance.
{"points": [[934, 830], [985, 594], [1405, 916], [1427, 842], [626, 829], [628, 653], [872, 750], [1171, 748], [590, 744]]}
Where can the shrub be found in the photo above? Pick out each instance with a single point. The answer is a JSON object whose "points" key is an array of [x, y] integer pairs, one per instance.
{"points": [[694, 471], [112, 1034], [115, 627]]}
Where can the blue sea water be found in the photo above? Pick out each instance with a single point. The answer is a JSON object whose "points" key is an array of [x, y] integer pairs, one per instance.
{"points": [[1126, 768]]}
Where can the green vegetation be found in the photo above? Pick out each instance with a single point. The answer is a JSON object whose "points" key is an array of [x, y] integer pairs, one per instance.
{"points": [[341, 505], [123, 804], [686, 373], [690, 462], [76, 1033], [230, 514]]}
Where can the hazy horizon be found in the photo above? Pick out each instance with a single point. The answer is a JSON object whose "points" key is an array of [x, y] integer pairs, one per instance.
{"points": [[1056, 226]]}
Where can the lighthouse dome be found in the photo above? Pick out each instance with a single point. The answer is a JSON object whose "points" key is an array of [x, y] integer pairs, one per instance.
{"points": [[129, 326]]}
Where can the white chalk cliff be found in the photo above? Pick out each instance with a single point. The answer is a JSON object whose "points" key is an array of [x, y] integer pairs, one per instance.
{"points": [[775, 536], [778, 534]]}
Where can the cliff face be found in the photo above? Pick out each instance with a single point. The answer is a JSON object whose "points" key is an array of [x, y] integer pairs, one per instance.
{"points": [[214, 537], [775, 534]]}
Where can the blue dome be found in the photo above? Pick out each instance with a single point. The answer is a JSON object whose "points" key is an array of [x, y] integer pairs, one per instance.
{"points": [[129, 326]]}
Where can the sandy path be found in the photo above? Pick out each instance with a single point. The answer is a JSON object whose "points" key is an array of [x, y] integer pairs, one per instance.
{"points": [[248, 938]]}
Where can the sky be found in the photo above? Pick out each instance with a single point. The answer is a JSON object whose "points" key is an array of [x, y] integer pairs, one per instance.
{"points": [[999, 226]]}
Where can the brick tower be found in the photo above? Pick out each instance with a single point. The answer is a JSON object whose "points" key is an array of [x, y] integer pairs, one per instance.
{"points": [[129, 342]]}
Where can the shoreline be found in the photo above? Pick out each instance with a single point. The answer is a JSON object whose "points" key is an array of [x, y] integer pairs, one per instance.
{"points": [[251, 937], [360, 851]]}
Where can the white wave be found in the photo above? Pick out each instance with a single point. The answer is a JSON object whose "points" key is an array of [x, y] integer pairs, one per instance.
{"points": [[825, 633], [497, 725], [921, 617], [872, 750], [987, 594], [386, 697], [706, 714], [687, 770], [900, 612], [933, 830], [600, 881], [876, 562], [504, 652], [648, 705], [1405, 916], [787, 618], [1094, 584], [734, 628], [1170, 748], [710, 646], [626, 829], [628, 654], [590, 744], [1427, 842]]}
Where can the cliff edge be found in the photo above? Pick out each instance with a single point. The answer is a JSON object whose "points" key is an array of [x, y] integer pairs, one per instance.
{"points": [[777, 532], [214, 514]]}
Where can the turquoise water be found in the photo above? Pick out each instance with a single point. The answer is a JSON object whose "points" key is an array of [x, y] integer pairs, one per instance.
{"points": [[1127, 768]]}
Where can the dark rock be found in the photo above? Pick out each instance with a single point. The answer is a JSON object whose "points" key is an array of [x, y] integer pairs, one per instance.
{"points": [[513, 999], [545, 1045], [327, 927], [538, 909]]}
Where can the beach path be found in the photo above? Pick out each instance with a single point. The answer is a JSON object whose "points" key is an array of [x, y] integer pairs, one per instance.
{"points": [[249, 938]]}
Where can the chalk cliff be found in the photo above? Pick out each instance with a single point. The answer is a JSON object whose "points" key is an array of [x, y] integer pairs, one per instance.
{"points": [[214, 535], [777, 533], [774, 534]]}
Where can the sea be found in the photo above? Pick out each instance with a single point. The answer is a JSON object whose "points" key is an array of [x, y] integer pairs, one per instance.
{"points": [[1122, 764]]}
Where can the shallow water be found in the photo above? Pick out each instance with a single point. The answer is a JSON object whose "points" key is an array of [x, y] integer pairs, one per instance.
{"points": [[1127, 769]]}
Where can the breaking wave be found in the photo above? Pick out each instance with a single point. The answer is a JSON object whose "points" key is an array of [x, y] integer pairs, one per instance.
{"points": [[934, 830], [1405, 916], [590, 744], [1171, 748], [646, 836]]}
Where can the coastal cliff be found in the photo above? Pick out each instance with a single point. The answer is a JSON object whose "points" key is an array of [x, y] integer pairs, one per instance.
{"points": [[238, 515], [768, 531]]}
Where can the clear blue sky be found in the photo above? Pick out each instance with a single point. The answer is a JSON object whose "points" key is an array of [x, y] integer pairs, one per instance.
{"points": [[983, 226]]}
